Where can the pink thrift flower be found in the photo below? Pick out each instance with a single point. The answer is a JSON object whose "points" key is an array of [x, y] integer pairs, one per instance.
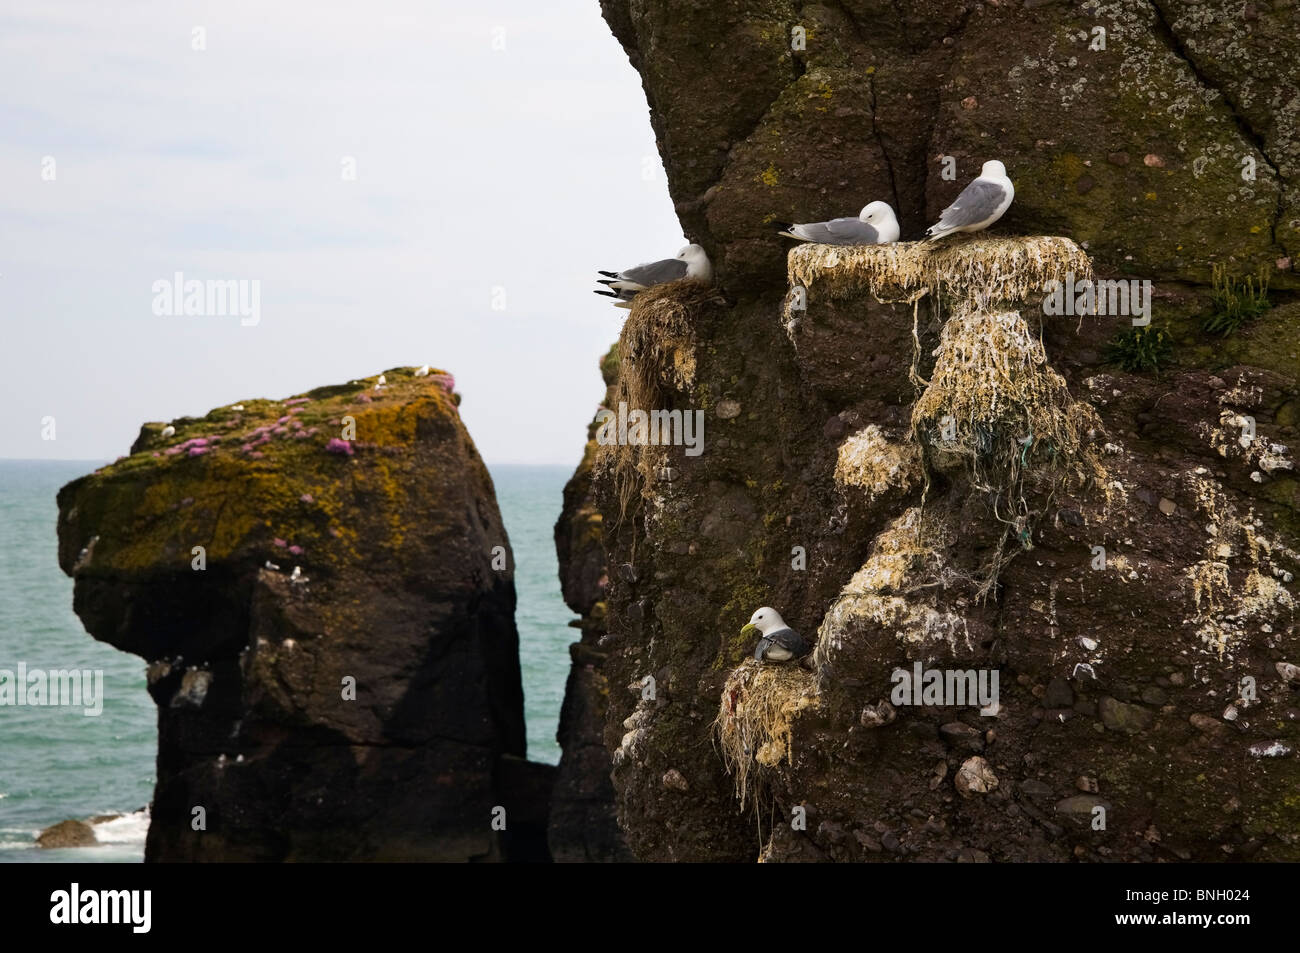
{"points": [[279, 542], [307, 498], [198, 451], [339, 446], [296, 550]]}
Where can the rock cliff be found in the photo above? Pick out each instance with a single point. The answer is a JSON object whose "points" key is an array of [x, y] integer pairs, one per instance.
{"points": [[919, 467], [323, 590]]}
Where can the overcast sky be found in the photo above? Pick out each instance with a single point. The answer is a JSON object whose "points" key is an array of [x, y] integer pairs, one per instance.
{"points": [[478, 171]]}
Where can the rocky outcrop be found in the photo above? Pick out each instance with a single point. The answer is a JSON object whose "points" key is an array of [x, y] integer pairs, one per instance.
{"points": [[69, 833], [323, 591], [583, 825], [1121, 548]]}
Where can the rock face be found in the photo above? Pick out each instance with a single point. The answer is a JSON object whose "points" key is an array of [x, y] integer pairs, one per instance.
{"points": [[583, 826], [323, 591], [1129, 575], [1127, 126]]}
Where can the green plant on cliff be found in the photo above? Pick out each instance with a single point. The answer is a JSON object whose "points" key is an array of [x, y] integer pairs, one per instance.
{"points": [[1140, 349], [1237, 301]]}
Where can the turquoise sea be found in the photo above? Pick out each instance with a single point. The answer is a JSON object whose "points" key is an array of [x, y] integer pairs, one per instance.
{"points": [[57, 763]]}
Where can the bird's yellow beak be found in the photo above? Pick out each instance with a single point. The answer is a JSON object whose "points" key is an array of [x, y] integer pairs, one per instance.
{"points": [[749, 627]]}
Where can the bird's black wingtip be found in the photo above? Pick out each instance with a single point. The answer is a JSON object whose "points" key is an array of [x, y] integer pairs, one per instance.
{"points": [[608, 274]]}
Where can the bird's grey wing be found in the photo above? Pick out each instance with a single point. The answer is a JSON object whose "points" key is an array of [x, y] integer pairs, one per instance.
{"points": [[656, 272], [789, 639], [851, 231], [760, 649], [977, 202]]}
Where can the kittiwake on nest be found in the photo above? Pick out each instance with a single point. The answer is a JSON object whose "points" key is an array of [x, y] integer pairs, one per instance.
{"points": [[875, 225], [979, 205], [690, 263], [778, 642]]}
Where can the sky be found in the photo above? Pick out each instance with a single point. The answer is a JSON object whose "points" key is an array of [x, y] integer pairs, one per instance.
{"points": [[407, 182]]}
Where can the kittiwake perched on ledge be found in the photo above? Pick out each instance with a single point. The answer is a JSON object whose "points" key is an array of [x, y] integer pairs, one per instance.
{"points": [[777, 642], [691, 262], [979, 205], [875, 225]]}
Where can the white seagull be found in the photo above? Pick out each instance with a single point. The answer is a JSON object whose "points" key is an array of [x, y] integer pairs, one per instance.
{"points": [[979, 205], [691, 263], [875, 225], [778, 642]]}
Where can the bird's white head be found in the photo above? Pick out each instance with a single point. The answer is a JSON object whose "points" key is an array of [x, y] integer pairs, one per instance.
{"points": [[993, 169], [697, 261], [767, 620], [876, 213], [880, 216]]}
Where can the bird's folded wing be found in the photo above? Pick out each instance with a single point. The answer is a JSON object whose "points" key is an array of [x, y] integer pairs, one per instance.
{"points": [[977, 202], [852, 231], [656, 272]]}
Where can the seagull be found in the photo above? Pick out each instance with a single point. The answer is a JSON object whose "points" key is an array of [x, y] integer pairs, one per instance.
{"points": [[778, 642], [237, 407], [168, 431], [691, 263], [875, 225], [379, 384], [980, 204], [423, 372], [296, 576]]}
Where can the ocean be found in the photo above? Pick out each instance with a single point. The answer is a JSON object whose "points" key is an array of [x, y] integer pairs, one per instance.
{"points": [[58, 763]]}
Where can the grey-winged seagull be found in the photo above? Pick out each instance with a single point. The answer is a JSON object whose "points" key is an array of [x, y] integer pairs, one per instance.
{"points": [[777, 641], [875, 225], [691, 262], [979, 205]]}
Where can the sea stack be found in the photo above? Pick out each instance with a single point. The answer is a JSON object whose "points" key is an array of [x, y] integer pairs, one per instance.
{"points": [[368, 709]]}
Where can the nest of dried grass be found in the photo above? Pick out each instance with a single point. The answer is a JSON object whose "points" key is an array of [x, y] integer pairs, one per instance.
{"points": [[657, 349], [980, 269], [754, 727]]}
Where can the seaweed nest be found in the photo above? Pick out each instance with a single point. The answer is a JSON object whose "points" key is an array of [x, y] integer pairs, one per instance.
{"points": [[657, 348], [980, 269], [754, 727], [994, 406]]}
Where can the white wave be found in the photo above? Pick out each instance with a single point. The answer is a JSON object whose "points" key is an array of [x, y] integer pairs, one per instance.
{"points": [[127, 829]]}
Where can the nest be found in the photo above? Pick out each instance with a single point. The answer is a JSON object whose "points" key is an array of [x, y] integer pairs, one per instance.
{"points": [[980, 269], [657, 357], [994, 406], [754, 727]]}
